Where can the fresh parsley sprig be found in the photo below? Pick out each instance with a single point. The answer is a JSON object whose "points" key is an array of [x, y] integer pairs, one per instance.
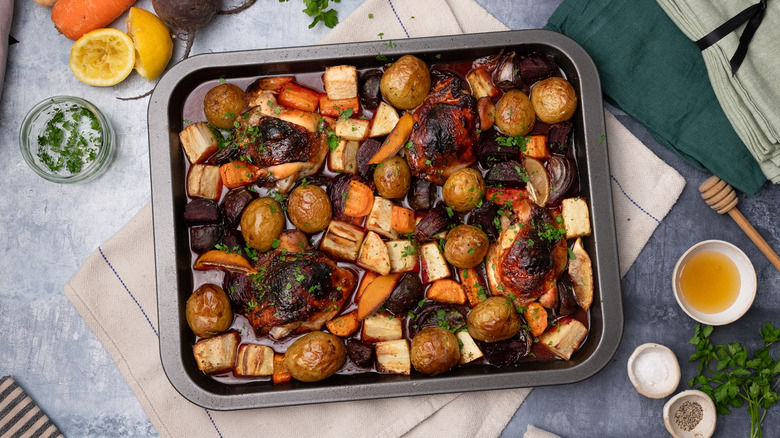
{"points": [[737, 378], [318, 9]]}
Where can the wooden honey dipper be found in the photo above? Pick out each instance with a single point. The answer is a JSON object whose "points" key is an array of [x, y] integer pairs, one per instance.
{"points": [[723, 199]]}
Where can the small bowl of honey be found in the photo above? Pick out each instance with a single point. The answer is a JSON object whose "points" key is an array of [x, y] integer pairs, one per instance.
{"points": [[714, 282]]}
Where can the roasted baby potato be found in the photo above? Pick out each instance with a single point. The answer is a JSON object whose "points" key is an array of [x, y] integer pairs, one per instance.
{"points": [[393, 178], [434, 351], [315, 356], [261, 223], [464, 189], [223, 104], [494, 319], [515, 114], [554, 100], [208, 311], [309, 209], [465, 246], [406, 83]]}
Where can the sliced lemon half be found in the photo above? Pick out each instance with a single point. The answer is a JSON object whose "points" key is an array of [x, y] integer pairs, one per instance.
{"points": [[102, 57], [153, 42]]}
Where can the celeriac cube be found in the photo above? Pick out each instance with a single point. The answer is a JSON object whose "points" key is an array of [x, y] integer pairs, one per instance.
{"points": [[199, 142], [343, 240], [393, 357], [576, 218], [433, 266], [217, 354], [255, 360], [384, 121], [469, 351], [344, 157], [564, 337], [403, 256], [352, 129], [340, 82], [382, 327], [380, 220], [373, 254], [204, 181]]}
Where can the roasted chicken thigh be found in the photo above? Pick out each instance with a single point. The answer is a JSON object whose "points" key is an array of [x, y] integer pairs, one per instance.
{"points": [[529, 255], [292, 291], [284, 152], [444, 132]]}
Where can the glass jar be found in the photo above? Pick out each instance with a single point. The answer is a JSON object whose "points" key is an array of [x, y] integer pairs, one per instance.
{"points": [[66, 139]]}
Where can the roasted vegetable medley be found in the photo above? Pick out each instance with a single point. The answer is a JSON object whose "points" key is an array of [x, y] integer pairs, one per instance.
{"points": [[413, 217]]}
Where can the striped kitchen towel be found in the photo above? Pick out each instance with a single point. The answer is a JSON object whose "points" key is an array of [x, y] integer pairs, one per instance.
{"points": [[20, 417]]}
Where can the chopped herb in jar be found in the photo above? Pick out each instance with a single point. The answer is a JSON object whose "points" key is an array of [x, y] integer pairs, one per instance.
{"points": [[70, 139]]}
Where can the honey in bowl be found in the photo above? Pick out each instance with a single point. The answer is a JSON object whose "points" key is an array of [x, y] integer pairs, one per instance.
{"points": [[710, 282]]}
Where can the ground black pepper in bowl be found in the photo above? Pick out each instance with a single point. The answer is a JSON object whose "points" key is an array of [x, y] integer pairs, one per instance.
{"points": [[688, 415]]}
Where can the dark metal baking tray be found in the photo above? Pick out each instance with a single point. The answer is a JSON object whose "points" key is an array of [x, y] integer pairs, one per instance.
{"points": [[173, 259]]}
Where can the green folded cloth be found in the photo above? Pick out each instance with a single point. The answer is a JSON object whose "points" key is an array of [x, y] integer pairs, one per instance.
{"points": [[751, 98], [650, 70]]}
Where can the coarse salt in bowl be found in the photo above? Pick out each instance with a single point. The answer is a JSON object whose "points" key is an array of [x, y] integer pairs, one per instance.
{"points": [[653, 370]]}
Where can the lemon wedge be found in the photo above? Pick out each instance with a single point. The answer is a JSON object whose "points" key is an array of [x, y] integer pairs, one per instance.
{"points": [[102, 57], [153, 43]]}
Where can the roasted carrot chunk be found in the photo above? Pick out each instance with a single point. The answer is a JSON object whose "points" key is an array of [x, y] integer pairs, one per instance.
{"points": [[537, 147], [536, 317], [335, 108], [273, 84], [502, 196], [218, 259], [345, 325], [395, 140], [473, 286], [368, 277], [280, 375], [403, 220], [360, 199], [447, 291], [237, 174], [295, 96]]}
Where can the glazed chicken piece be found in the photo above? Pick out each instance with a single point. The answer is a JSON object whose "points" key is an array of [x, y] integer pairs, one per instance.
{"points": [[528, 256], [445, 131], [292, 292], [285, 152]]}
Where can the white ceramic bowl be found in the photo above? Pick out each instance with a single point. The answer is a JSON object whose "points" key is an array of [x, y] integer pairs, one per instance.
{"points": [[658, 359], [747, 290], [706, 426]]}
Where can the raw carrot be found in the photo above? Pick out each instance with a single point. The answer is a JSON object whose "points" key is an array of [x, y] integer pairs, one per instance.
{"points": [[74, 18]]}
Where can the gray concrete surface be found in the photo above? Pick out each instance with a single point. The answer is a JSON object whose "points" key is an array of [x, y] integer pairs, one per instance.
{"points": [[48, 230]]}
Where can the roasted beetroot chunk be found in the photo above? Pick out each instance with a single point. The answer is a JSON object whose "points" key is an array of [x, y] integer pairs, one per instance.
{"points": [[201, 211], [558, 137], [507, 352]]}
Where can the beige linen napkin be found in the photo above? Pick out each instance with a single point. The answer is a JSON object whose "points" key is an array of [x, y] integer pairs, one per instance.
{"points": [[114, 290], [751, 98]]}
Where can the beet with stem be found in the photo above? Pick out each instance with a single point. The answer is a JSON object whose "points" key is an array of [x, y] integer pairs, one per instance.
{"points": [[187, 16]]}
